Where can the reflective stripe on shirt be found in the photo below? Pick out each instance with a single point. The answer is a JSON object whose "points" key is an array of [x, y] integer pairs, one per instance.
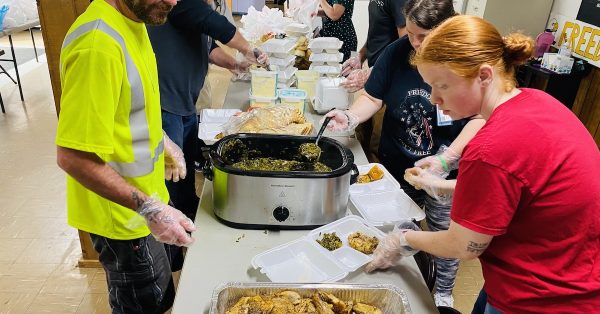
{"points": [[143, 163]]}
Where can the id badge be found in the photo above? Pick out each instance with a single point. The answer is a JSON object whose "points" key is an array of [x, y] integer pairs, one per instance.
{"points": [[442, 119]]}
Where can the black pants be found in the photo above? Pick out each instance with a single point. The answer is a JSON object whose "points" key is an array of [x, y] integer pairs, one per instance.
{"points": [[138, 274]]}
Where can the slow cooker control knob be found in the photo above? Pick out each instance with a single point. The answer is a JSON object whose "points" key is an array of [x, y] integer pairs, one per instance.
{"points": [[281, 213]]}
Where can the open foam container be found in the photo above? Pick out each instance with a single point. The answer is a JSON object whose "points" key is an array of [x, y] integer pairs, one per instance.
{"points": [[305, 260]]}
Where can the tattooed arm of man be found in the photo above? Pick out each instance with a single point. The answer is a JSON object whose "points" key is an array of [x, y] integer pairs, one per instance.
{"points": [[456, 242]]}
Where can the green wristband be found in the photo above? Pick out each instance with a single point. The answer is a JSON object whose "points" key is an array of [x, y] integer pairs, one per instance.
{"points": [[444, 164]]}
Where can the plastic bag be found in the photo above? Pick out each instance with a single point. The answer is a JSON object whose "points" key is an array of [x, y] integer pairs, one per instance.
{"points": [[3, 11], [257, 23], [280, 119], [19, 12]]}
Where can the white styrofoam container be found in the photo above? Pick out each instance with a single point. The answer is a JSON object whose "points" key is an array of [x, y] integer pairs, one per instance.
{"points": [[326, 68], [282, 62], [297, 28], [326, 57], [211, 123], [328, 44], [305, 260], [286, 74], [278, 45], [383, 202], [329, 94]]}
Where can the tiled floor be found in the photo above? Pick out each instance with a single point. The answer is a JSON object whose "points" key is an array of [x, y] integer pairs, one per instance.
{"points": [[38, 250]]}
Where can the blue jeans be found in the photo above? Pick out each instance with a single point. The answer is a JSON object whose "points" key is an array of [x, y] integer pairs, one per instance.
{"points": [[183, 131], [482, 306]]}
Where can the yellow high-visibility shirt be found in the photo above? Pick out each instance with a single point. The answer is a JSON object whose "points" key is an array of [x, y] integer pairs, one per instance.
{"points": [[110, 105]]}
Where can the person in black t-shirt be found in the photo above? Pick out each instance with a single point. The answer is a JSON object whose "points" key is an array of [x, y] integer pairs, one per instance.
{"points": [[413, 127]]}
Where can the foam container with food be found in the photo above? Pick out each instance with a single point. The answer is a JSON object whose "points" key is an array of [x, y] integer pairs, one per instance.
{"points": [[278, 46], [282, 63], [263, 83], [325, 44], [383, 202], [305, 260], [329, 94], [388, 298], [293, 97], [211, 123]]}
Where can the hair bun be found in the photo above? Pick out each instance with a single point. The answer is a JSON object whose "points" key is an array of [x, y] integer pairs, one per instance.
{"points": [[518, 48]]}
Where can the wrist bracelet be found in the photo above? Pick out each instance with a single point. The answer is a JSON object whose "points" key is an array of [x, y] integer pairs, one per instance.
{"points": [[443, 161]]}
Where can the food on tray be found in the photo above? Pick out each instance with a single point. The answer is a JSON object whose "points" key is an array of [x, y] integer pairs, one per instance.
{"points": [[280, 119], [374, 174], [330, 241], [290, 302], [362, 242]]}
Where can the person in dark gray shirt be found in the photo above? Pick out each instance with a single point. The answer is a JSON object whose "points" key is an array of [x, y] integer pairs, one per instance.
{"points": [[184, 46]]}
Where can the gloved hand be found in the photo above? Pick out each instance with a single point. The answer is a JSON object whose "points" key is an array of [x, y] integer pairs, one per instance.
{"points": [[444, 161], [433, 184], [256, 56], [353, 63], [174, 161], [356, 80], [342, 120], [393, 247], [240, 67], [167, 224]]}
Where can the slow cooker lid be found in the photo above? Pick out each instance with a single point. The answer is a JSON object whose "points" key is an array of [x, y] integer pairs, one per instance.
{"points": [[335, 155]]}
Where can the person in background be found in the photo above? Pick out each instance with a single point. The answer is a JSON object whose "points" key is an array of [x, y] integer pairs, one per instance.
{"points": [[526, 199], [111, 144], [413, 126], [183, 51], [386, 24], [337, 22]]}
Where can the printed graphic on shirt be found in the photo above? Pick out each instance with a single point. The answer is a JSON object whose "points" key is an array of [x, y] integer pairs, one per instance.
{"points": [[379, 3], [415, 114]]}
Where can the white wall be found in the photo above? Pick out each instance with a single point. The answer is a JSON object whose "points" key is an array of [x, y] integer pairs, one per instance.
{"points": [[568, 8], [360, 19]]}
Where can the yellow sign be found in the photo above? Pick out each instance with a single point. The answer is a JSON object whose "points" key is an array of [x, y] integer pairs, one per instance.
{"points": [[582, 38]]}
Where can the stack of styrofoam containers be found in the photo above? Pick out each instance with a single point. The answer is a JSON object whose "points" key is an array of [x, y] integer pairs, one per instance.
{"points": [[297, 30], [326, 57], [281, 59]]}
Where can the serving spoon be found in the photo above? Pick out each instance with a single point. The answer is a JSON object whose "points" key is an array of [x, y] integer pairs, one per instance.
{"points": [[312, 151]]}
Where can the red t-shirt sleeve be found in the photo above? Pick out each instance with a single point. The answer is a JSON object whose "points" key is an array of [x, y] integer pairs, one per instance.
{"points": [[486, 197]]}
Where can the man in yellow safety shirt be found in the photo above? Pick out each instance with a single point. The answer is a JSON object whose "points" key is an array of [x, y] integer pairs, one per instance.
{"points": [[111, 144]]}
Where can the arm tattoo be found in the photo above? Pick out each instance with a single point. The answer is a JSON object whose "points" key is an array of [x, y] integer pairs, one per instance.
{"points": [[477, 248], [137, 199]]}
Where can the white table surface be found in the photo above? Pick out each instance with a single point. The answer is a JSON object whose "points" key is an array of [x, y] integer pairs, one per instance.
{"points": [[222, 254]]}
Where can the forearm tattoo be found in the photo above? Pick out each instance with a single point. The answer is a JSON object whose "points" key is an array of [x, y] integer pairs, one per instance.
{"points": [[137, 199], [477, 248]]}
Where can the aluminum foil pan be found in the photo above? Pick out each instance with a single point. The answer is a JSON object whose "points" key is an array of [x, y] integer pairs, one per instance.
{"points": [[388, 298]]}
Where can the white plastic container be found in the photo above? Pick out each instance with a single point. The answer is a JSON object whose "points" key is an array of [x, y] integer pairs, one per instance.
{"points": [[328, 69], [329, 94], [325, 44], [326, 57], [305, 260], [307, 81], [278, 46], [259, 102], [263, 83], [383, 202], [293, 97], [297, 28]]}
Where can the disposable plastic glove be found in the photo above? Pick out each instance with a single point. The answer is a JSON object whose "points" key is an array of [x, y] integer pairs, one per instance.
{"points": [[444, 161], [356, 80], [256, 56], [353, 63], [174, 161], [241, 67], [167, 224], [433, 184], [393, 247], [341, 120]]}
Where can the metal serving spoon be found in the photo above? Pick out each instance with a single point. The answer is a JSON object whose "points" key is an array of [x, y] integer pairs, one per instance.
{"points": [[312, 151]]}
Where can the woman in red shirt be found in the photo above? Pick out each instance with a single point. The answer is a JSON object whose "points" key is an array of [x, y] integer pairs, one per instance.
{"points": [[527, 198]]}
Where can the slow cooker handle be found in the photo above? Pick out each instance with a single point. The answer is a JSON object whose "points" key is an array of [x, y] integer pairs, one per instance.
{"points": [[207, 170], [353, 174]]}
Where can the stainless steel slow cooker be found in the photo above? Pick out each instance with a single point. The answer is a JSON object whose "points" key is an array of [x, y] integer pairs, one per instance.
{"points": [[277, 199]]}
